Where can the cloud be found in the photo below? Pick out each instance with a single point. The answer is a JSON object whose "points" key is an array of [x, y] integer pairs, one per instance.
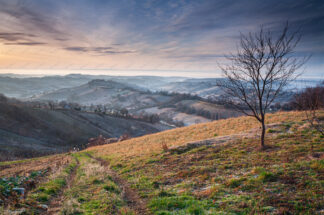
{"points": [[14, 36], [26, 43], [19, 39], [98, 50], [217, 14], [76, 49], [152, 33], [28, 17]]}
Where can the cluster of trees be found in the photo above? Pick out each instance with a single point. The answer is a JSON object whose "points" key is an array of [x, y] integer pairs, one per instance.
{"points": [[52, 105], [99, 109], [311, 100], [199, 112], [3, 98], [123, 113], [179, 96]]}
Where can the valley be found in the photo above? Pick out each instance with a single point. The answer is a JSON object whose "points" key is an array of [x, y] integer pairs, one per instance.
{"points": [[29, 132]]}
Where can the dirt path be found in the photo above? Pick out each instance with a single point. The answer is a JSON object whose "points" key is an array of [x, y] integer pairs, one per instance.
{"points": [[134, 201], [55, 205]]}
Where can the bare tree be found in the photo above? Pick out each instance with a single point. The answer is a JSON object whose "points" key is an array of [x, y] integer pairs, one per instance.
{"points": [[311, 101], [258, 72]]}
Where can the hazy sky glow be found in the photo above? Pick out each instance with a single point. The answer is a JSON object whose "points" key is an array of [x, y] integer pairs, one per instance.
{"points": [[128, 37]]}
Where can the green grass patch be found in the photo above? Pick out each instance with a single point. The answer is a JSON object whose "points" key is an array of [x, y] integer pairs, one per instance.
{"points": [[180, 205], [111, 187]]}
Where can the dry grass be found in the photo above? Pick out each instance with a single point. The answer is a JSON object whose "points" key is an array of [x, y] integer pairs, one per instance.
{"points": [[94, 169], [180, 136], [233, 176], [24, 167]]}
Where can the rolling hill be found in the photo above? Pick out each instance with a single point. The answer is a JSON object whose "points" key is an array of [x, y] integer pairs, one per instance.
{"points": [[209, 168], [103, 92], [116, 95], [28, 132]]}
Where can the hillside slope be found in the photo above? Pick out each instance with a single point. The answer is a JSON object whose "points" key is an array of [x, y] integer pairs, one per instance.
{"points": [[210, 168], [28, 132], [103, 92], [138, 101]]}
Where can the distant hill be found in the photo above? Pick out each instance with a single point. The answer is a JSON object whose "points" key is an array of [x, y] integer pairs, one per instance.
{"points": [[202, 87], [23, 88], [103, 92], [177, 107], [27, 132]]}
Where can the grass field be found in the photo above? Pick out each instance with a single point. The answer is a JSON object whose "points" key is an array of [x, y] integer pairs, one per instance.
{"points": [[212, 168]]}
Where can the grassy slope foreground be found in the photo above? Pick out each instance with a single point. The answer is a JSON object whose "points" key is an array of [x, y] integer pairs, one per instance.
{"points": [[212, 168]]}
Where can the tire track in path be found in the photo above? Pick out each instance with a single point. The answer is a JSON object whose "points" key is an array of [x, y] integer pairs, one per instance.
{"points": [[134, 201], [55, 205]]}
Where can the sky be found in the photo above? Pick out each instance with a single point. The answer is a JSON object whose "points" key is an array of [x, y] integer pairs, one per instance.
{"points": [[146, 37]]}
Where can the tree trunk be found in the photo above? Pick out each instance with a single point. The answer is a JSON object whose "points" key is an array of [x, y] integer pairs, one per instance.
{"points": [[263, 135]]}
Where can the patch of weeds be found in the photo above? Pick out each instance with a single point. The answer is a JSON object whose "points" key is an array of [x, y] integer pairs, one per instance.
{"points": [[96, 181], [144, 182], [233, 183], [180, 205], [164, 193], [268, 209], [117, 166], [218, 179], [267, 177], [316, 139], [250, 184], [81, 199], [151, 160], [199, 149], [318, 165], [156, 184], [126, 211], [125, 170], [41, 197], [283, 136], [54, 186], [112, 187], [270, 131], [288, 125], [109, 178], [92, 205]]}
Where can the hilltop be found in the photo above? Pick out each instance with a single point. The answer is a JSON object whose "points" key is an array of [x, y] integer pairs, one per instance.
{"points": [[209, 168]]}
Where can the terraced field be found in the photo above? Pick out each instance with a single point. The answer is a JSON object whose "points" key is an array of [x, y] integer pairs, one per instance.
{"points": [[212, 168]]}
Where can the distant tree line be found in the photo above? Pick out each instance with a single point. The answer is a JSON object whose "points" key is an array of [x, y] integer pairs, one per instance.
{"points": [[199, 112]]}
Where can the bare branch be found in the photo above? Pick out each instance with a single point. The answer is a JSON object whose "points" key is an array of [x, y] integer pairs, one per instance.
{"points": [[262, 67]]}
